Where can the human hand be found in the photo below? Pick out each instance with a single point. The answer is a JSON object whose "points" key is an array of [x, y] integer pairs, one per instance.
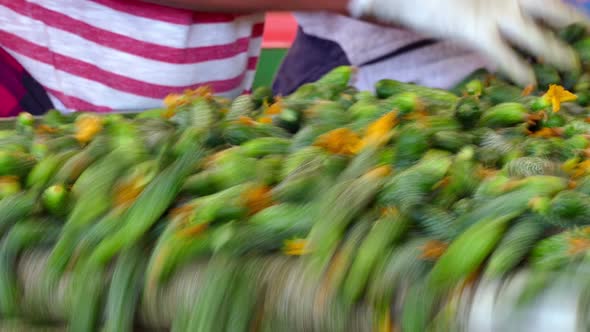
{"points": [[488, 26]]}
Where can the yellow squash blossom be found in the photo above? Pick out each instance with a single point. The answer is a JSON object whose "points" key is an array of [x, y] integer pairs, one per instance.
{"points": [[246, 120], [194, 230], [557, 95], [174, 100], [339, 141], [88, 126], [274, 109], [547, 133], [258, 199], [379, 132], [385, 323], [432, 250], [295, 247], [265, 120], [578, 245], [380, 172], [344, 141], [581, 169]]}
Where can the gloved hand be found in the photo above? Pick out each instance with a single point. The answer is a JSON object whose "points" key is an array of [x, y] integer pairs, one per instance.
{"points": [[489, 26]]}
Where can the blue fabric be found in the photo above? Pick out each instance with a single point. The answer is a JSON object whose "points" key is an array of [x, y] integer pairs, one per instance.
{"points": [[308, 59], [583, 4]]}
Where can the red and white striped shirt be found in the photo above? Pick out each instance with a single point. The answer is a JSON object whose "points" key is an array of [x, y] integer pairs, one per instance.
{"points": [[103, 55]]}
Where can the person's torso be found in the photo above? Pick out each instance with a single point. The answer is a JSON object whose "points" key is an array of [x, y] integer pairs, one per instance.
{"points": [[103, 55]]}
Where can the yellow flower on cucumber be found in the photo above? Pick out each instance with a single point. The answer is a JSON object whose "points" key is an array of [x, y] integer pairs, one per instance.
{"points": [[557, 95]]}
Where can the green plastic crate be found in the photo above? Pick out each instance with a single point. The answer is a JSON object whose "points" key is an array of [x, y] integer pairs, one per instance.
{"points": [[268, 65]]}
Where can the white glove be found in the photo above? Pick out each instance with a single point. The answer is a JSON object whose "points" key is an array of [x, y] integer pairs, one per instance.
{"points": [[487, 25]]}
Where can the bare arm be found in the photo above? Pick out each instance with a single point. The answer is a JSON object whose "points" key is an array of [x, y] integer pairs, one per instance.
{"points": [[249, 6], [237, 6]]}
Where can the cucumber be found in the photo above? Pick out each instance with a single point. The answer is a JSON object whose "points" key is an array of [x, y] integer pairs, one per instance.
{"points": [[230, 170], [434, 98], [104, 227], [336, 277], [148, 208], [570, 78], [436, 222], [267, 230], [515, 246], [384, 233], [289, 120], [400, 268], [583, 83], [473, 84], [124, 291], [341, 204], [583, 98], [241, 106], [211, 307], [171, 251], [269, 170], [529, 166], [299, 188], [244, 299], [75, 165], [468, 112], [539, 104], [87, 296], [265, 146], [502, 93], [451, 141], [461, 181], [15, 163], [412, 144], [409, 188], [93, 191], [262, 95], [61, 144], [558, 251], [9, 185], [55, 200], [224, 206], [546, 75], [418, 307], [583, 48], [570, 208], [17, 207], [405, 103], [504, 115], [54, 118], [572, 33], [554, 120], [464, 255], [337, 79], [24, 235], [237, 133], [15, 143], [24, 123], [44, 170]]}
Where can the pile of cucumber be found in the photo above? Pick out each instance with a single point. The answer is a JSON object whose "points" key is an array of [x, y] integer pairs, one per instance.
{"points": [[330, 209]]}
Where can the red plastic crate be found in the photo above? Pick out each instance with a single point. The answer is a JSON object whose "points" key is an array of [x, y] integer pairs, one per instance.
{"points": [[280, 30]]}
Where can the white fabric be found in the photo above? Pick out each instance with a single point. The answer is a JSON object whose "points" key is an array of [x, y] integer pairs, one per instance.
{"points": [[361, 41], [120, 55], [441, 65]]}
